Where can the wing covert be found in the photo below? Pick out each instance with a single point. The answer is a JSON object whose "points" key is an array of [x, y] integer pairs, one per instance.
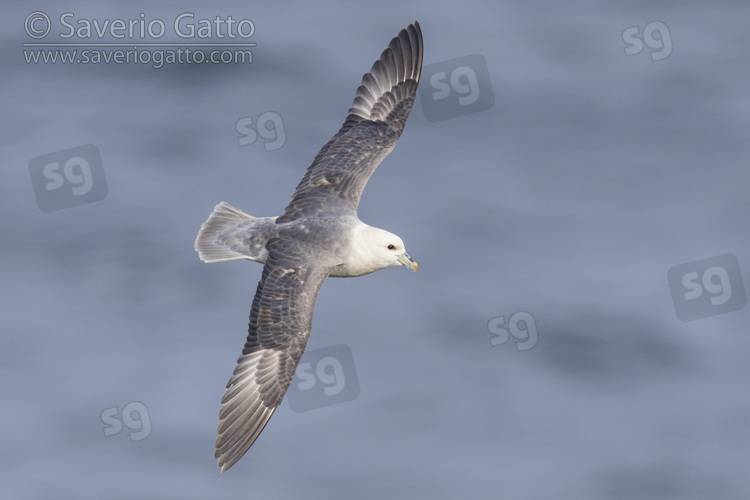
{"points": [[280, 323], [338, 174]]}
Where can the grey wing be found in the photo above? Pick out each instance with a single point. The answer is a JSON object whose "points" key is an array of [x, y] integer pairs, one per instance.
{"points": [[280, 322], [335, 180]]}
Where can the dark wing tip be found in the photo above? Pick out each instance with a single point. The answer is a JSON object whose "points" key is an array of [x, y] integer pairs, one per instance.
{"points": [[244, 413], [392, 79], [230, 448], [383, 102]]}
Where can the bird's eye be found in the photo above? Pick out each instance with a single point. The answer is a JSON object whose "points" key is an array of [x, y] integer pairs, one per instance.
{"points": [[391, 247]]}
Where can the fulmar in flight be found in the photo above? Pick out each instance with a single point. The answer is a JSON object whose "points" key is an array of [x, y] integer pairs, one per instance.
{"points": [[319, 235]]}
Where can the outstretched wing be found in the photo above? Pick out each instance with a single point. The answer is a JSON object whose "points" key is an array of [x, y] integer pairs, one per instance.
{"points": [[280, 322], [335, 180]]}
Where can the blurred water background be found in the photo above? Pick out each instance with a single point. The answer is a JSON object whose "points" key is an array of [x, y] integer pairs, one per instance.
{"points": [[592, 175]]}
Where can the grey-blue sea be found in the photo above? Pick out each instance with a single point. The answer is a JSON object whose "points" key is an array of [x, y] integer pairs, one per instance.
{"points": [[570, 198]]}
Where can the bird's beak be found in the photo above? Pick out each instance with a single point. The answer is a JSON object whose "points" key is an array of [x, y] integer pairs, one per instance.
{"points": [[407, 261]]}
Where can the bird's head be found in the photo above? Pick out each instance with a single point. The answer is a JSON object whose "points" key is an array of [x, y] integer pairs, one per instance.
{"points": [[387, 250]]}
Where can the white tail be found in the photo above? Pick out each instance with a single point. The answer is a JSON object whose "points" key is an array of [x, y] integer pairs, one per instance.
{"points": [[216, 240]]}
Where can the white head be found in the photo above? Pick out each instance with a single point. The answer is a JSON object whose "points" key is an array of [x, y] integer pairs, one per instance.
{"points": [[388, 250], [375, 249]]}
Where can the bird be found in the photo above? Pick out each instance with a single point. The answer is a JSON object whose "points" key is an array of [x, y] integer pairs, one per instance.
{"points": [[318, 235]]}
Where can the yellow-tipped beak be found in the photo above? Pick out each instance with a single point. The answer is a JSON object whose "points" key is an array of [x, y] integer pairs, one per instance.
{"points": [[408, 261]]}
